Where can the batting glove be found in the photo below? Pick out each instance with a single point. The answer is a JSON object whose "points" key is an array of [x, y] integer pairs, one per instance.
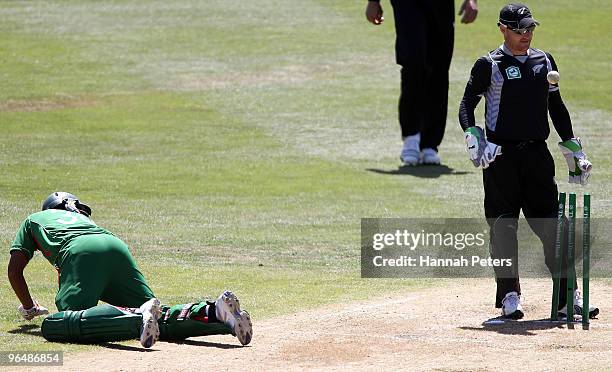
{"points": [[36, 310], [482, 153], [578, 164]]}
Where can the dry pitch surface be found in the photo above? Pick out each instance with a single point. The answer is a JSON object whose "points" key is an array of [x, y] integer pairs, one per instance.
{"points": [[442, 328]]}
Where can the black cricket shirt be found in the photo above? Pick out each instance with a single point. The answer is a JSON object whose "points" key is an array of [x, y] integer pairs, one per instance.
{"points": [[517, 95]]}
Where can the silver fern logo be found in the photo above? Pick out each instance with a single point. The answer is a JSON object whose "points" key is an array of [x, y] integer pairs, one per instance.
{"points": [[536, 69]]}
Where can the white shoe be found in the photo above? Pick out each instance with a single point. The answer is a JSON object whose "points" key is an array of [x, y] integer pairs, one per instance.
{"points": [[149, 330], [593, 310], [511, 306], [410, 152], [429, 156], [227, 308]]}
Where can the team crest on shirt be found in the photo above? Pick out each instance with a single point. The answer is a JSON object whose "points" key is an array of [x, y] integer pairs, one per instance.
{"points": [[513, 72], [536, 69]]}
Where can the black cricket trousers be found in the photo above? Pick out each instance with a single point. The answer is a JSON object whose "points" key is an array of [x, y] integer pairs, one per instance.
{"points": [[424, 48], [521, 178]]}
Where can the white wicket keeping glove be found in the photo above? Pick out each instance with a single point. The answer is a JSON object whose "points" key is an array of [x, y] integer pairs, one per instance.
{"points": [[482, 153], [578, 164], [36, 310]]}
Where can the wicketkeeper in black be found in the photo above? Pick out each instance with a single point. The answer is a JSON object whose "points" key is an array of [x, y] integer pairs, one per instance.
{"points": [[518, 169]]}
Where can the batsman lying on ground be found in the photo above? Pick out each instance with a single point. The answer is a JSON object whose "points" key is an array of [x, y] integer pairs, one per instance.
{"points": [[94, 265]]}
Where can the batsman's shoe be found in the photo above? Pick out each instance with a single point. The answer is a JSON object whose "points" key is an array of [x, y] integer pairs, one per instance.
{"points": [[511, 306], [149, 331], [410, 152], [578, 303], [228, 311], [429, 157]]}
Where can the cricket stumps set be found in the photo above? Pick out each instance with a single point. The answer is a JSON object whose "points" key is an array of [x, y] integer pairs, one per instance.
{"points": [[571, 248]]}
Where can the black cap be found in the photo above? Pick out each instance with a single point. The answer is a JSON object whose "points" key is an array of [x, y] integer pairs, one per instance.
{"points": [[516, 16]]}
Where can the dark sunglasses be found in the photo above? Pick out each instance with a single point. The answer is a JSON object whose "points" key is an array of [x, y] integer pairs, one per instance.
{"points": [[522, 31]]}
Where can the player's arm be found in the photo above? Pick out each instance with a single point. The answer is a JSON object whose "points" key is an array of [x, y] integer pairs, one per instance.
{"points": [[557, 110], [22, 251], [560, 116], [480, 79], [17, 264], [482, 153], [579, 166], [29, 308]]}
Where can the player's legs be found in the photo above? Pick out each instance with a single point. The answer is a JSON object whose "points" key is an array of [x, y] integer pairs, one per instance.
{"points": [[179, 322], [126, 287], [540, 206], [84, 274], [439, 52], [107, 323], [100, 267], [502, 208], [223, 316], [102, 323], [410, 53]]}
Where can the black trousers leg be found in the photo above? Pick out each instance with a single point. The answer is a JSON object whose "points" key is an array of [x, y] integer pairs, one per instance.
{"points": [[439, 52], [502, 208], [411, 53], [522, 178], [424, 48], [540, 205]]}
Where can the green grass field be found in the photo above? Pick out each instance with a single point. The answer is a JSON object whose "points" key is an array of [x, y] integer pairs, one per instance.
{"points": [[238, 144]]}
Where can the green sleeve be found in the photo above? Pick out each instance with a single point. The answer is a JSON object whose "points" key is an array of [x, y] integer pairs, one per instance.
{"points": [[23, 240]]}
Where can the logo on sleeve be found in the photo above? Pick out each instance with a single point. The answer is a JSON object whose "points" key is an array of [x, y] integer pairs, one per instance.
{"points": [[513, 72], [536, 69]]}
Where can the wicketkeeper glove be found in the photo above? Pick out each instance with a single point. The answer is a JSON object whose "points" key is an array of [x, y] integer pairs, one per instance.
{"points": [[482, 153], [36, 310], [577, 162]]}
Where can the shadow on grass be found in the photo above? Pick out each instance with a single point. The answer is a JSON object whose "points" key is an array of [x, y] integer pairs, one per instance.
{"points": [[204, 343], [27, 329], [516, 327], [422, 171]]}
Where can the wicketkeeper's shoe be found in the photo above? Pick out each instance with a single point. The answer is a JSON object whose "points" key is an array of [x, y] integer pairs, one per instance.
{"points": [[410, 152], [593, 310], [149, 330], [511, 306], [429, 157], [228, 311]]}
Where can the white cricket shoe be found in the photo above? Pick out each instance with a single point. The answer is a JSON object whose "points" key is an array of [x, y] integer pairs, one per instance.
{"points": [[410, 152], [149, 330], [593, 310], [429, 157], [227, 308], [511, 306]]}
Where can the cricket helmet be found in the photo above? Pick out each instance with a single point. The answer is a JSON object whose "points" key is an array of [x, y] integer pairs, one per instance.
{"points": [[66, 201]]}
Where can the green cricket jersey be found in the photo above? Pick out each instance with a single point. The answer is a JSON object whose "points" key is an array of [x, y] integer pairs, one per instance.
{"points": [[51, 231]]}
